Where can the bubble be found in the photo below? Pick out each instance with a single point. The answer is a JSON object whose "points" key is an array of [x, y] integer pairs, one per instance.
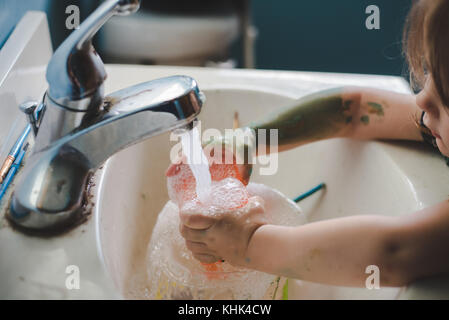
{"points": [[225, 195], [173, 272], [226, 191]]}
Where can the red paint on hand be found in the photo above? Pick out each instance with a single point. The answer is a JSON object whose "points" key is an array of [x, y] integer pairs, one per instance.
{"points": [[182, 189]]}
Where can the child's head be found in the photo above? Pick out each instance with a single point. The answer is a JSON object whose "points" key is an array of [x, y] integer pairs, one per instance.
{"points": [[426, 43]]}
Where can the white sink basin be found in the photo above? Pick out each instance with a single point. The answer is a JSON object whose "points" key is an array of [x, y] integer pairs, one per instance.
{"points": [[109, 249], [361, 178]]}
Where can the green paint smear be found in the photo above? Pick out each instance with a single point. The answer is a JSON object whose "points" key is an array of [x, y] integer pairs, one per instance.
{"points": [[347, 105], [285, 291], [278, 279], [376, 108], [364, 119], [314, 117]]}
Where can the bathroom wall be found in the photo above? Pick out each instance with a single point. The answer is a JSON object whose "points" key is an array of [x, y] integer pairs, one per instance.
{"points": [[12, 11], [329, 35], [313, 35]]}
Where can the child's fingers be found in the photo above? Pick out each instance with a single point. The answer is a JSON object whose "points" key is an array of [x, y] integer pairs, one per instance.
{"points": [[253, 212], [196, 221], [199, 248], [256, 204], [194, 235], [206, 258]]}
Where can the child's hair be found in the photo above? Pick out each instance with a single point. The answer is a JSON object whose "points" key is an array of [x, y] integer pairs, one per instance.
{"points": [[426, 45]]}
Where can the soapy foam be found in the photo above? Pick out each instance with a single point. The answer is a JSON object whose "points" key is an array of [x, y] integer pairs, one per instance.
{"points": [[174, 273], [197, 188], [225, 192], [225, 195]]}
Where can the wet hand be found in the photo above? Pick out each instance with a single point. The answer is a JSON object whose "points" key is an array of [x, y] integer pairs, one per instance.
{"points": [[236, 148], [224, 236]]}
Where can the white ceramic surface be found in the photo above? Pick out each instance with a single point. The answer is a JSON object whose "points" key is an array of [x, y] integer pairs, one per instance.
{"points": [[373, 177], [168, 39], [361, 177], [30, 267]]}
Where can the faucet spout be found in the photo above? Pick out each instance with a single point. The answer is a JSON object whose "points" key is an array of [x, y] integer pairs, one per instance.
{"points": [[81, 128], [50, 192]]}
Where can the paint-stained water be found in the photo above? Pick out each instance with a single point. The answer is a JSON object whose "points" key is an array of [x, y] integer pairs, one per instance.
{"points": [[173, 272]]}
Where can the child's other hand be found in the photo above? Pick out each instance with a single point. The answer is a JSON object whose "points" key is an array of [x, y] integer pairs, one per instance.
{"points": [[235, 151], [223, 236], [240, 145]]}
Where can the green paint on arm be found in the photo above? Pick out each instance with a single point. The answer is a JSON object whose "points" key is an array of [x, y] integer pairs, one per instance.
{"points": [[364, 119], [376, 108], [347, 105], [317, 116]]}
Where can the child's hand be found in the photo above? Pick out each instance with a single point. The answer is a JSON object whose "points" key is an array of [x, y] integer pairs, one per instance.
{"points": [[223, 236], [240, 146]]}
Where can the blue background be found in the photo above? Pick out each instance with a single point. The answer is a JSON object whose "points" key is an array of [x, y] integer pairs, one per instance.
{"points": [[314, 35]]}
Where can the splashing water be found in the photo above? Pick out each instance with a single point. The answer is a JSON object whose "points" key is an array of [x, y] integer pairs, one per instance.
{"points": [[174, 273], [197, 161], [195, 186]]}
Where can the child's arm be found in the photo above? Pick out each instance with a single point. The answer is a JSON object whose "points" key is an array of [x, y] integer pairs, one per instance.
{"points": [[335, 251], [353, 112], [338, 251]]}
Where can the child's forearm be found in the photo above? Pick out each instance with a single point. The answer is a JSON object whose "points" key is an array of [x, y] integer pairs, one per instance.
{"points": [[321, 115], [335, 252], [353, 112]]}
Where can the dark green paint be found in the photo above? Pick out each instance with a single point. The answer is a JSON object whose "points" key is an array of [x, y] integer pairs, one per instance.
{"points": [[376, 108], [364, 119], [314, 117], [347, 105]]}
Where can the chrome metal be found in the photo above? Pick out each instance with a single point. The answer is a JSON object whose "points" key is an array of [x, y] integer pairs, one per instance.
{"points": [[28, 108], [51, 186], [34, 112], [76, 71], [72, 142]]}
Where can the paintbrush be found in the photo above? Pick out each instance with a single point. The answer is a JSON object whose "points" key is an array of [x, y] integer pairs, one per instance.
{"points": [[13, 170], [13, 153]]}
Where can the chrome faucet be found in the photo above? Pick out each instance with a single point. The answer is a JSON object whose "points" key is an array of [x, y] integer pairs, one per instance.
{"points": [[80, 128]]}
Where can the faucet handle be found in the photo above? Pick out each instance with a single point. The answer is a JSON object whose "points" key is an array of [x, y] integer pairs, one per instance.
{"points": [[76, 73]]}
